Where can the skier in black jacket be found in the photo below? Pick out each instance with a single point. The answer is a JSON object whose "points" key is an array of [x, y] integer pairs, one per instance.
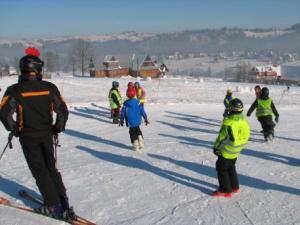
{"points": [[34, 100]]}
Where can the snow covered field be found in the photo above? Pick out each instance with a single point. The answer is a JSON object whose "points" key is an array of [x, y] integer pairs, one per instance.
{"points": [[171, 180]]}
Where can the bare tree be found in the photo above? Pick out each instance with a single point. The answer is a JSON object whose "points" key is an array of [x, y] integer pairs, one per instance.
{"points": [[51, 61], [82, 52], [242, 71], [16, 64]]}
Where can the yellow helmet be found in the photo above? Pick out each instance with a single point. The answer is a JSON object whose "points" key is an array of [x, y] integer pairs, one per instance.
{"points": [[229, 92]]}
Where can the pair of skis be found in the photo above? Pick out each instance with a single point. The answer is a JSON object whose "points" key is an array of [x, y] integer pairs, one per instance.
{"points": [[3, 201]]}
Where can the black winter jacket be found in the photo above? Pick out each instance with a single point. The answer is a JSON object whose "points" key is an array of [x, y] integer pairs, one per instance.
{"points": [[34, 102]]}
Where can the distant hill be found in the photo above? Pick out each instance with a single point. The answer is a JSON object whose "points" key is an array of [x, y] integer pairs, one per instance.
{"points": [[190, 41]]}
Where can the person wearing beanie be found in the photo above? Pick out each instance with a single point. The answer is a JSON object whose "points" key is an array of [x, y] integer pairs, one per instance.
{"points": [[233, 136], [132, 114], [34, 101]]}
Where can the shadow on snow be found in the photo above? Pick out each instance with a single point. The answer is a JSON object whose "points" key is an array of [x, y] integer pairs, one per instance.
{"points": [[91, 137], [194, 119], [142, 165], [91, 114], [272, 157], [244, 179], [12, 188], [185, 128], [191, 141]]}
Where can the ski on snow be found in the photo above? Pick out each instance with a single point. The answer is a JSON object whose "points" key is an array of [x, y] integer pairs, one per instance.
{"points": [[12, 204], [28, 196]]}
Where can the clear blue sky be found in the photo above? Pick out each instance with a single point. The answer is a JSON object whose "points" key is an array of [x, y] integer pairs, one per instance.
{"points": [[48, 18]]}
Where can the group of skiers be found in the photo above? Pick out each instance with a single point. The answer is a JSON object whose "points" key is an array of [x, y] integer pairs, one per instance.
{"points": [[34, 101], [130, 111], [235, 133]]}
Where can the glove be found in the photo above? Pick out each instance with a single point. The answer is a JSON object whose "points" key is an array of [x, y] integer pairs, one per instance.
{"points": [[277, 119], [217, 152], [121, 123], [13, 133], [147, 122], [55, 131]]}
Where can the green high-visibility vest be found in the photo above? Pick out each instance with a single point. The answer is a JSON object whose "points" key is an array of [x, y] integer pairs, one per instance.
{"points": [[239, 130], [113, 104], [264, 107]]}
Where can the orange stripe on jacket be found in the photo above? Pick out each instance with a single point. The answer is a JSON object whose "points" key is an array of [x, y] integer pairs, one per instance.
{"points": [[4, 100], [20, 109], [37, 93]]}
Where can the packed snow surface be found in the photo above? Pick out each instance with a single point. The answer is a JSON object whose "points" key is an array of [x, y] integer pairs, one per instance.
{"points": [[170, 182]]}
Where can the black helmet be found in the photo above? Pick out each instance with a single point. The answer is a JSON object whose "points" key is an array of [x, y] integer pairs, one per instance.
{"points": [[115, 84], [236, 106], [30, 63], [265, 93]]}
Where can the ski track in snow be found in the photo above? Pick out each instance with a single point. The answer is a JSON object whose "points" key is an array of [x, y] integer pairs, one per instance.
{"points": [[170, 181]]}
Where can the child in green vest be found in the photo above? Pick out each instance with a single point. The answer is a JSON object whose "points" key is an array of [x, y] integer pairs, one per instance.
{"points": [[233, 136], [115, 101], [265, 108]]}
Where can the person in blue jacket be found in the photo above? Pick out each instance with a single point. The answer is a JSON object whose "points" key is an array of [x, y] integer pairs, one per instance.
{"points": [[132, 113]]}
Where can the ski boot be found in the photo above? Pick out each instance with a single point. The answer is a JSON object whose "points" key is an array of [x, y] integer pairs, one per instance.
{"points": [[270, 138], [135, 145], [116, 120], [68, 212], [54, 211], [141, 141], [221, 194], [235, 190]]}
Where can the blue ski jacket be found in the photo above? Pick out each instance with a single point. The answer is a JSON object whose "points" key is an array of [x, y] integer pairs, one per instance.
{"points": [[133, 112]]}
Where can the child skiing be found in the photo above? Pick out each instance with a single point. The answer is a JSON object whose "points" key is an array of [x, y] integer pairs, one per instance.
{"points": [[234, 134], [115, 101], [132, 113], [265, 108]]}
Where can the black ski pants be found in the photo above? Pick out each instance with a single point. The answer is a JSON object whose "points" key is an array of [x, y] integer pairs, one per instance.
{"points": [[116, 115], [227, 175], [267, 125], [39, 154], [134, 132]]}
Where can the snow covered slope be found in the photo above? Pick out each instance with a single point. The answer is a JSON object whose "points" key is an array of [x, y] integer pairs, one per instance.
{"points": [[171, 180]]}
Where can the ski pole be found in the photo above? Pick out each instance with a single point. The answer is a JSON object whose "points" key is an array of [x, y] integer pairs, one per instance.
{"points": [[158, 89], [56, 144], [9, 144], [281, 97]]}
